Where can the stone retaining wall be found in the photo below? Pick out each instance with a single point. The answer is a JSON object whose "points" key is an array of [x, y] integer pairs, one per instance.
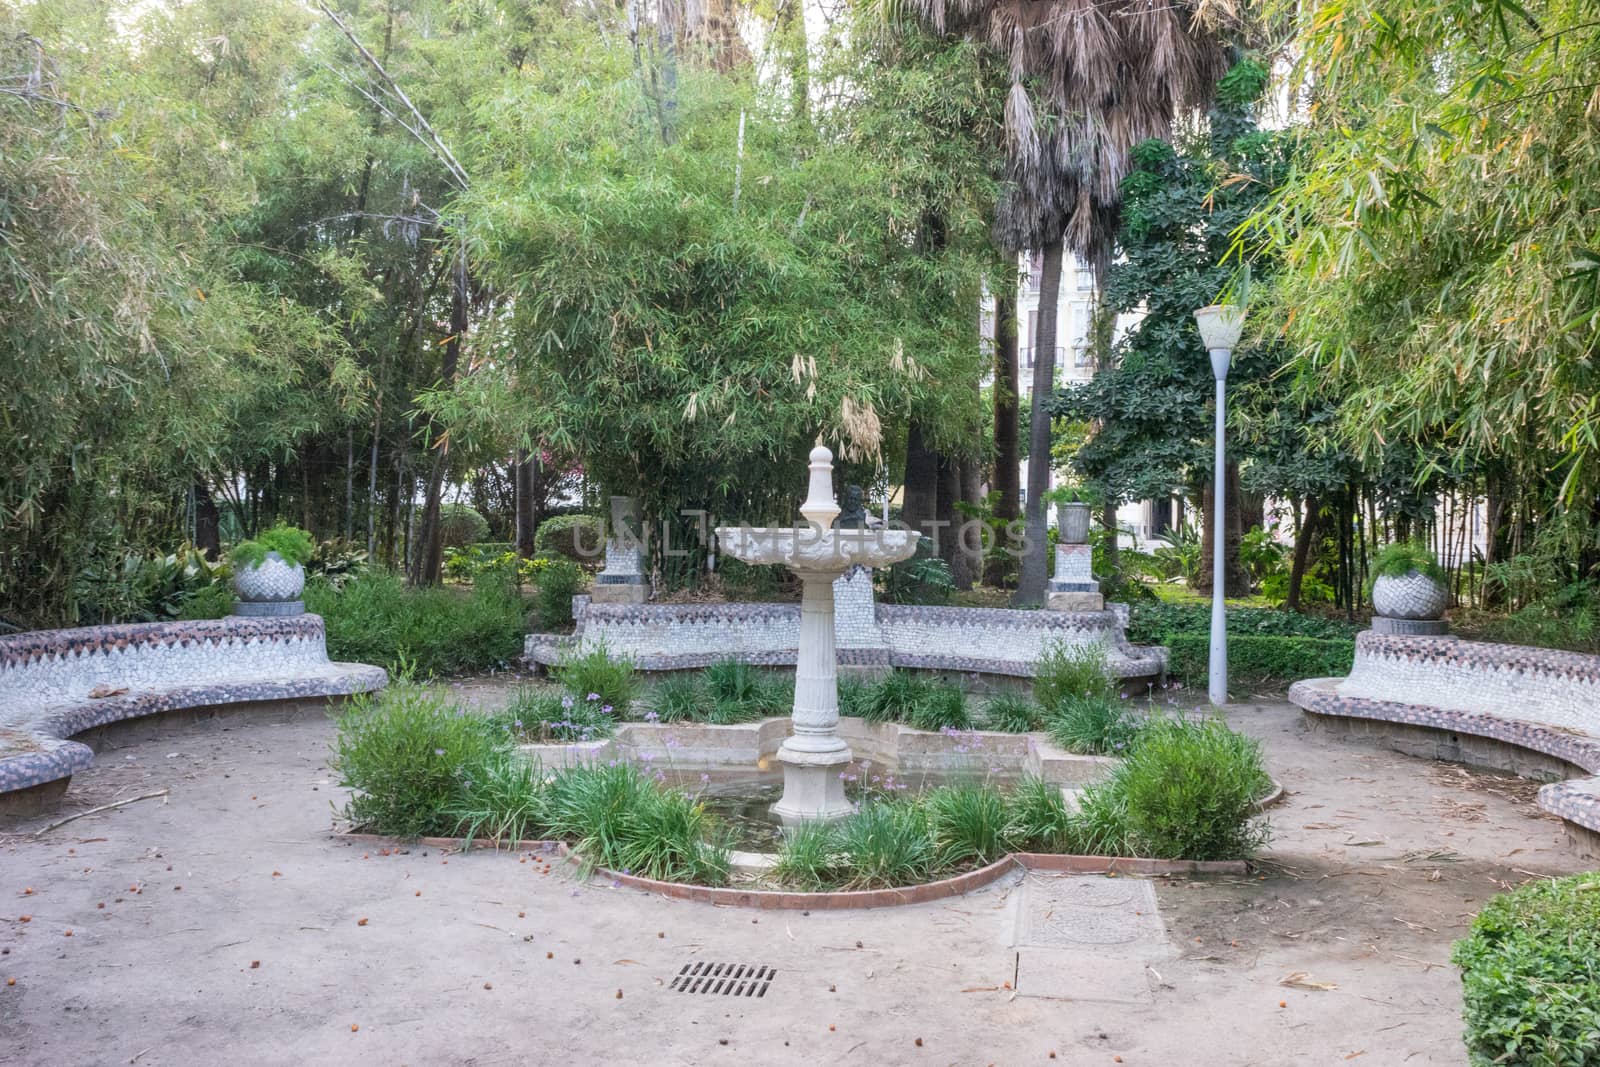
{"points": [[47, 678]]}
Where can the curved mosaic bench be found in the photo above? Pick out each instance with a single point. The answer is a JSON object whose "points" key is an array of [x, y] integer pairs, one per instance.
{"points": [[46, 678], [670, 637], [1507, 700]]}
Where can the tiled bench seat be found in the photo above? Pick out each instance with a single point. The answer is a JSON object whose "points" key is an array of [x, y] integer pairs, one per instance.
{"points": [[999, 641], [1530, 710], [46, 678]]}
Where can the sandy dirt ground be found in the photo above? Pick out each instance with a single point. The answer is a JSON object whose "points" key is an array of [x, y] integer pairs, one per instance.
{"points": [[224, 924]]}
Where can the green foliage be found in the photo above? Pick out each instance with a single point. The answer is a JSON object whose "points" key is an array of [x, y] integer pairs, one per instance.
{"points": [[1567, 618], [1180, 551], [378, 619], [1263, 660], [460, 524], [542, 715], [1039, 821], [1067, 670], [739, 692], [619, 819], [1530, 976], [887, 843], [336, 562], [922, 701], [291, 543], [500, 800], [679, 698], [1153, 623], [810, 858], [969, 823], [577, 537], [1401, 558], [213, 601], [597, 677], [559, 580], [919, 580], [150, 588], [1190, 790], [407, 754], [1092, 725], [940, 707], [1012, 714]]}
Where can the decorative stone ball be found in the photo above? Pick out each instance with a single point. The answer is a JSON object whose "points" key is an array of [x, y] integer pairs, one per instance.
{"points": [[1412, 595], [269, 581]]}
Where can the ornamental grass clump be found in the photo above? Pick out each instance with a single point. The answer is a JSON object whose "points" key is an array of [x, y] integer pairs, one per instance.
{"points": [[1530, 976], [919, 701], [1012, 714], [596, 677], [1037, 819], [1092, 725], [500, 801], [1064, 671], [810, 858], [678, 698], [545, 715], [887, 843], [968, 822], [408, 756], [618, 817], [739, 692]]}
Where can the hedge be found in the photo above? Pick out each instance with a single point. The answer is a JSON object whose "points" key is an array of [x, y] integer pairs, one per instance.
{"points": [[1256, 660], [1530, 976], [1150, 621], [575, 536]]}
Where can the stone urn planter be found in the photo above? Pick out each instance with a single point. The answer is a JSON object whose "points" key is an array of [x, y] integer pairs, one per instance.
{"points": [[1072, 520], [1412, 595], [271, 587]]}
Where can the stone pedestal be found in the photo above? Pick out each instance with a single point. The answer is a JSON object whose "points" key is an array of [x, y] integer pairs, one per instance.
{"points": [[622, 581], [1074, 588], [814, 756]]}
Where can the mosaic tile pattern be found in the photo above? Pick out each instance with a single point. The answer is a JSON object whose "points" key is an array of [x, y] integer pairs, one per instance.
{"points": [[1542, 700], [662, 637], [46, 678]]}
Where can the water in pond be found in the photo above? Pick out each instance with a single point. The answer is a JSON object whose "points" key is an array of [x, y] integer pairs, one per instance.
{"points": [[742, 802]]}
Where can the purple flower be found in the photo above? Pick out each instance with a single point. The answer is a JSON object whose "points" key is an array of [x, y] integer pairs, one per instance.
{"points": [[438, 752], [705, 778], [651, 716], [606, 710], [592, 696], [566, 702]]}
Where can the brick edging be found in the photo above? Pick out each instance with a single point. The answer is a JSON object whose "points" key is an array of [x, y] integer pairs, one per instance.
{"points": [[848, 899]]}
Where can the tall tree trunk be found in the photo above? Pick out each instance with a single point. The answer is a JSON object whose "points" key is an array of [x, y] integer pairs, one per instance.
{"points": [[920, 502], [1236, 581], [1304, 537], [1033, 573], [207, 521], [1252, 510], [949, 479], [530, 495], [428, 549], [1007, 463]]}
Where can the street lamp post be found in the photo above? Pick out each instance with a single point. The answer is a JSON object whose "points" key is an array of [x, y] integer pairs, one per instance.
{"points": [[1220, 327]]}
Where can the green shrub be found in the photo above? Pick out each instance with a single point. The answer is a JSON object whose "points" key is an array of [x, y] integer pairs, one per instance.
{"points": [[1190, 789], [1065, 670], [408, 755], [577, 537], [1401, 558], [461, 524], [1154, 622], [1100, 825], [377, 618], [1092, 726], [810, 858], [919, 580], [212, 601], [596, 677], [337, 561], [1530, 976], [739, 692], [291, 543], [940, 707], [1037, 817], [968, 822], [853, 696], [679, 698], [558, 581], [1012, 714], [1260, 660]]}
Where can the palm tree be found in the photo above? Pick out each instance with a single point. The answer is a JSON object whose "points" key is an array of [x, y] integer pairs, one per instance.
{"points": [[1089, 80]]}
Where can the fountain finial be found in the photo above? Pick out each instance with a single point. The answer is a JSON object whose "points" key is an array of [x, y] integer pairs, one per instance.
{"points": [[820, 507]]}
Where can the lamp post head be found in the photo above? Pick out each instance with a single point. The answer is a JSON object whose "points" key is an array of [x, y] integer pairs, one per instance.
{"points": [[1220, 327]]}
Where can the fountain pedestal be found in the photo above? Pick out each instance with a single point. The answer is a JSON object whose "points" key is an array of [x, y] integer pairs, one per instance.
{"points": [[814, 756]]}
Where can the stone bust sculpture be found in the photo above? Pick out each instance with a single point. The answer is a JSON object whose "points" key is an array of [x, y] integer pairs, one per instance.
{"points": [[852, 510]]}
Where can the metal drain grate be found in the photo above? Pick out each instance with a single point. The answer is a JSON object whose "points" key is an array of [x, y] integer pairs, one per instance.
{"points": [[726, 979]]}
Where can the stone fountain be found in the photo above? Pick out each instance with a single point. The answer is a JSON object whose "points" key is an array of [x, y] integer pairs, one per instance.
{"points": [[814, 756]]}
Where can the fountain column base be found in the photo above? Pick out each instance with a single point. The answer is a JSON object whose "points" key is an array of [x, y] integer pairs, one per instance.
{"points": [[813, 786]]}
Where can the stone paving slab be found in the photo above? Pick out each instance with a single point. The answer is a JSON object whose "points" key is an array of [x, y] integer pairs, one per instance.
{"points": [[1088, 938]]}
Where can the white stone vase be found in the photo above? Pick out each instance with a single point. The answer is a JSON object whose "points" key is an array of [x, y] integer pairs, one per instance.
{"points": [[1412, 595], [1072, 521], [272, 581]]}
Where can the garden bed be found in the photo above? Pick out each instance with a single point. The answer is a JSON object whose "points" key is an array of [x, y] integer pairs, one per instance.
{"points": [[830, 900]]}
